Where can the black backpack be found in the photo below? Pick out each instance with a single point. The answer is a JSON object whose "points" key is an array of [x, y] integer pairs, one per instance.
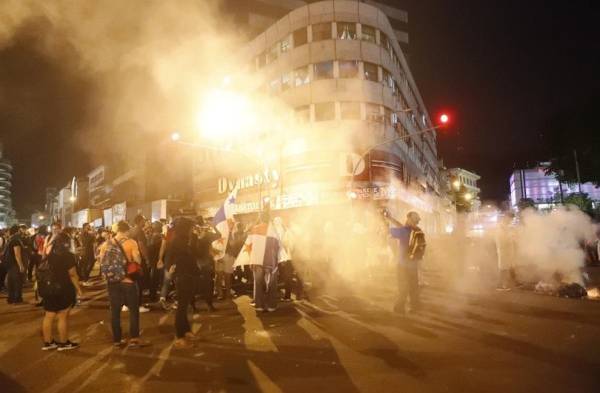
{"points": [[47, 284]]}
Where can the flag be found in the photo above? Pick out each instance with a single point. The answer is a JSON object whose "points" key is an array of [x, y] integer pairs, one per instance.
{"points": [[223, 221], [262, 247]]}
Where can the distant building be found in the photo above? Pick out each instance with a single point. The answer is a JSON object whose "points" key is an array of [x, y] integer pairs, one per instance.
{"points": [[544, 189], [6, 209]]}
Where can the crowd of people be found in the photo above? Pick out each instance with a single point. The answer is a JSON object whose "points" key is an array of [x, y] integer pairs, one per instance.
{"points": [[166, 265]]}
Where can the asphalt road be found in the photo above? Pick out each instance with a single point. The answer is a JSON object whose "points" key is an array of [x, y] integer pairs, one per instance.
{"points": [[486, 342]]}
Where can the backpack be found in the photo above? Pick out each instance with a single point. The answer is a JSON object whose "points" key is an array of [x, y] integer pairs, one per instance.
{"points": [[113, 265], [47, 284]]}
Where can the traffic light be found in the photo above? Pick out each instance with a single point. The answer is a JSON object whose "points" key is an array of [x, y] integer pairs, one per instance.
{"points": [[444, 119]]}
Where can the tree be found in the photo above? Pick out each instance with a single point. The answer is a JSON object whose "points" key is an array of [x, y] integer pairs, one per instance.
{"points": [[573, 130], [582, 201], [525, 203]]}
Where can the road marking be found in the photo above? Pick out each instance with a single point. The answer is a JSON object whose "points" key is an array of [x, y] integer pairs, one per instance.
{"points": [[265, 384], [154, 371], [256, 338]]}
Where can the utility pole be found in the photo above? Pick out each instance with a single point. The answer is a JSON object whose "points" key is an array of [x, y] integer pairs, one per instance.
{"points": [[577, 170]]}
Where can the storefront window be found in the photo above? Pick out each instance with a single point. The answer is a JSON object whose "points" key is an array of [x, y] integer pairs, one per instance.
{"points": [[323, 70], [346, 31], [370, 72], [348, 68], [300, 37], [350, 110], [325, 111], [301, 76], [368, 33]]}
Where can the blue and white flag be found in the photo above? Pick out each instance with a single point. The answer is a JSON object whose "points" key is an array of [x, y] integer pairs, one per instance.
{"points": [[223, 222]]}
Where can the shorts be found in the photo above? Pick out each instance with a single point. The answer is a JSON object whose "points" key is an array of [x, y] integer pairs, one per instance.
{"points": [[225, 264], [67, 298]]}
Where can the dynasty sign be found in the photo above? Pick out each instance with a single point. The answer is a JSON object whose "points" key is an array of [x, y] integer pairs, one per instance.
{"points": [[268, 176]]}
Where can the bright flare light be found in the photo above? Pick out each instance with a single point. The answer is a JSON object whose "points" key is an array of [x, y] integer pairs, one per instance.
{"points": [[175, 137], [468, 196], [226, 114], [444, 118], [72, 198], [456, 184]]}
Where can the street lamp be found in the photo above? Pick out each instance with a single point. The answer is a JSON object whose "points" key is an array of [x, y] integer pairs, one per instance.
{"points": [[72, 198], [468, 196], [456, 184], [175, 137]]}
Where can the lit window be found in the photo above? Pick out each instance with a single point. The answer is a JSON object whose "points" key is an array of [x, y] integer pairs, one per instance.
{"points": [[350, 110], [368, 33], [321, 31], [286, 81], [274, 86], [348, 68], [300, 37], [346, 31], [286, 43], [325, 111], [301, 76], [302, 114], [387, 79], [370, 71], [323, 70]]}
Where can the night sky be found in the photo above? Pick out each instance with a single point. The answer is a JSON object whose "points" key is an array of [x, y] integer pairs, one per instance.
{"points": [[501, 68]]}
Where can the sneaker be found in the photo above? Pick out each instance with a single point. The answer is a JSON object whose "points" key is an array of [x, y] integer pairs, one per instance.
{"points": [[286, 299], [259, 309], [49, 346], [191, 336], [119, 344], [174, 306], [67, 346], [271, 309], [253, 303], [137, 343], [144, 309], [163, 303], [503, 289], [182, 343], [124, 308]]}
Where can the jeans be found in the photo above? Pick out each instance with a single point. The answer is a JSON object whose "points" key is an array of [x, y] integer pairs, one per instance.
{"points": [[287, 276], [265, 295], [408, 284], [206, 287], [186, 289], [14, 284], [87, 264], [120, 294], [34, 261], [167, 280], [154, 282]]}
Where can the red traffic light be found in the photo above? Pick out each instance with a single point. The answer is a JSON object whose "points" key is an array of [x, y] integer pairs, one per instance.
{"points": [[444, 119]]}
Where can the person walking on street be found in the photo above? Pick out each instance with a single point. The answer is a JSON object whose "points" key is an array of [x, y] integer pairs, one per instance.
{"points": [[14, 265], [63, 297], [118, 265], [411, 249], [183, 255], [88, 258]]}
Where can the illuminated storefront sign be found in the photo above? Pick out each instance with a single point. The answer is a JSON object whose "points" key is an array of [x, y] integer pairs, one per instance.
{"points": [[386, 193], [267, 177]]}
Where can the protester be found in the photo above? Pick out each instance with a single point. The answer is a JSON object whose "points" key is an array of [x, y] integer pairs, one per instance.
{"points": [[88, 257], [14, 265], [154, 246], [3, 242], [411, 249], [62, 265], [139, 236], [182, 256], [119, 254], [206, 236]]}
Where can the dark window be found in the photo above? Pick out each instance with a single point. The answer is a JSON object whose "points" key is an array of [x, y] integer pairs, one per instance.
{"points": [[387, 79], [384, 41], [301, 76], [370, 71], [323, 70], [346, 31], [373, 113], [350, 110], [321, 31], [348, 68], [325, 111], [300, 37], [302, 114], [368, 33]]}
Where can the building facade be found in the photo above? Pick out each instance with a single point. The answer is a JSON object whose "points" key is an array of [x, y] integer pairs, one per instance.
{"points": [[6, 207], [340, 69], [545, 189]]}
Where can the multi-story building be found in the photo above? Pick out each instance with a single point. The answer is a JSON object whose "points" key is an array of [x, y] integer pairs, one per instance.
{"points": [[544, 188], [258, 15], [340, 69], [6, 208], [463, 178]]}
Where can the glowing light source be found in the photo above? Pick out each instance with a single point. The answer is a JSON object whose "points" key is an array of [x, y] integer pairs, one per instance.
{"points": [[225, 114], [175, 137], [444, 118], [456, 184], [72, 198], [41, 217], [468, 196], [352, 195]]}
